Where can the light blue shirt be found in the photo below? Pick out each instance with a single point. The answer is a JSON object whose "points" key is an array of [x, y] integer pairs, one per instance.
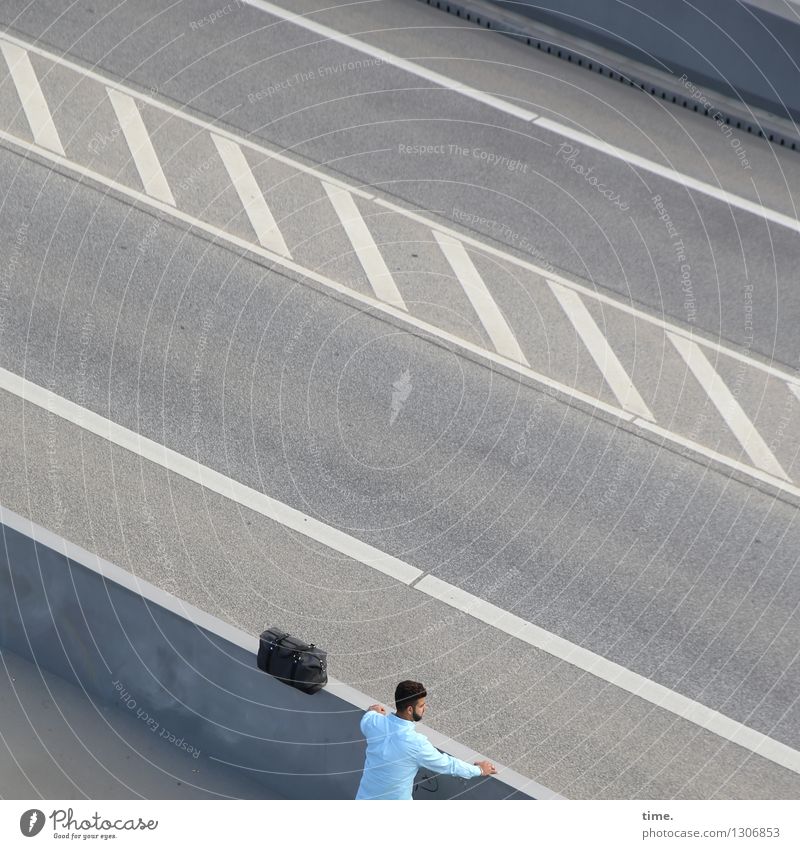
{"points": [[395, 751]]}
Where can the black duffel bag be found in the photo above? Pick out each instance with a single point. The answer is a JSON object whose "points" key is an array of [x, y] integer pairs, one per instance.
{"points": [[292, 661]]}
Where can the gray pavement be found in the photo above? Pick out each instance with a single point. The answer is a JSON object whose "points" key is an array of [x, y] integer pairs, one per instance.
{"points": [[354, 120], [579, 525], [546, 317], [659, 562], [571, 731]]}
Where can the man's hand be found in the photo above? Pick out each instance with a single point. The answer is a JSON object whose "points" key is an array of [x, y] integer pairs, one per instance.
{"points": [[487, 768], [377, 708]]}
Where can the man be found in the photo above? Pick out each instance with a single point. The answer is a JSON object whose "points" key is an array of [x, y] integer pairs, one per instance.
{"points": [[395, 750]]}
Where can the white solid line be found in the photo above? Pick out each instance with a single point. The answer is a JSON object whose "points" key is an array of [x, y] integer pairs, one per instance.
{"points": [[380, 278], [613, 673], [140, 146], [30, 94], [209, 478], [468, 240], [390, 59], [671, 174], [589, 293], [602, 353], [705, 451], [483, 303], [435, 331], [261, 218], [546, 123], [366, 554], [568, 392], [729, 408], [249, 642]]}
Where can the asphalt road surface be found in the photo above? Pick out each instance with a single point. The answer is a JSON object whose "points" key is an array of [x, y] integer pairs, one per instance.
{"points": [[378, 284]]}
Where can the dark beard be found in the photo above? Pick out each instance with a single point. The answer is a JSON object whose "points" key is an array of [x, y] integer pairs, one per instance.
{"points": [[417, 716]]}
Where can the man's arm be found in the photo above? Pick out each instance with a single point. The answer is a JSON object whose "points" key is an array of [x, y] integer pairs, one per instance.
{"points": [[370, 718], [431, 758]]}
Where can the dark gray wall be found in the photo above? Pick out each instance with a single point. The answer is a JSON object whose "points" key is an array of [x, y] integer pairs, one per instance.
{"points": [[191, 674], [743, 49]]}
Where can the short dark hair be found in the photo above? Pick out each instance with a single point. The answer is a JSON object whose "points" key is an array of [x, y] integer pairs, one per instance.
{"points": [[407, 693]]}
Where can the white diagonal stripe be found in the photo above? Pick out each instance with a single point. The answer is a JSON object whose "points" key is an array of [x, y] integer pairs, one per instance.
{"points": [[729, 408], [510, 108], [430, 330], [244, 181], [30, 94], [602, 353], [140, 146], [594, 294], [483, 303], [378, 274]]}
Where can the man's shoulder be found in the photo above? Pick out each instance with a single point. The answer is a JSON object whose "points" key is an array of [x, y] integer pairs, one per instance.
{"points": [[420, 741], [373, 719]]}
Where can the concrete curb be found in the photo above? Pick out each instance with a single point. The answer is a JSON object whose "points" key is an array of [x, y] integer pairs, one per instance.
{"points": [[196, 672]]}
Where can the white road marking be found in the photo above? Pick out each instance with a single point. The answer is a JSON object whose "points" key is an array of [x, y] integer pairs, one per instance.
{"points": [[729, 408], [596, 343], [511, 109], [176, 113], [385, 563], [380, 278], [589, 293], [671, 174], [613, 673], [722, 459], [261, 218], [346, 292], [795, 390], [140, 146], [209, 478], [429, 330], [483, 303], [456, 234], [30, 94], [163, 452]]}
